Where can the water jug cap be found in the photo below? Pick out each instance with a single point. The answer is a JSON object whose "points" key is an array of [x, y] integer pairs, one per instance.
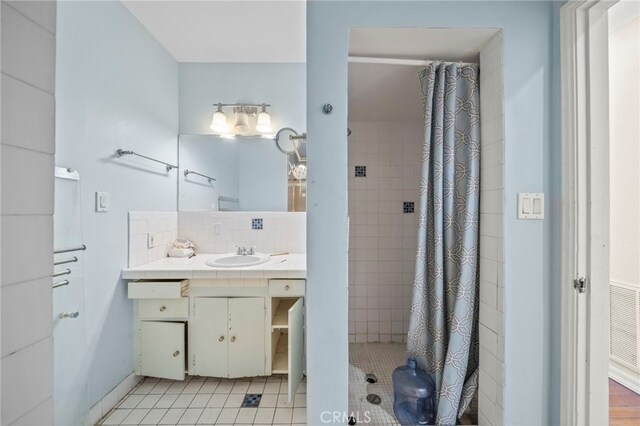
{"points": [[411, 363]]}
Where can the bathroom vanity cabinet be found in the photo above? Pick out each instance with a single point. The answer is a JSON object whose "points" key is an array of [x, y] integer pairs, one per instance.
{"points": [[219, 328]]}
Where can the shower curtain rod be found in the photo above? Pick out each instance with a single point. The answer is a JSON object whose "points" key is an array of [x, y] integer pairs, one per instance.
{"points": [[394, 61]]}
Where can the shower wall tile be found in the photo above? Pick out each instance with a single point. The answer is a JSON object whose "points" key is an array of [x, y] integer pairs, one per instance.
{"points": [[490, 396], [382, 236]]}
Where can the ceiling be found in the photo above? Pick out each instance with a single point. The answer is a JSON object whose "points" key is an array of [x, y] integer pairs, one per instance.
{"points": [[392, 92], [226, 31]]}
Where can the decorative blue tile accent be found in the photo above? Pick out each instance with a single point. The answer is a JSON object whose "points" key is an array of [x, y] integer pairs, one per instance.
{"points": [[251, 400], [408, 207], [256, 223], [361, 171]]}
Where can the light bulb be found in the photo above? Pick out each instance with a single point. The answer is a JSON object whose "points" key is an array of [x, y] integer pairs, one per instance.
{"points": [[242, 122], [219, 121], [264, 122]]}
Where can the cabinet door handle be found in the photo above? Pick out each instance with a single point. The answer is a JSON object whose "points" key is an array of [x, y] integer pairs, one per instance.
{"points": [[233, 339], [286, 287], [221, 339], [163, 308], [176, 353]]}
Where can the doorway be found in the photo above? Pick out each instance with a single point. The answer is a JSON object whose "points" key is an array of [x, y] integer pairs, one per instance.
{"points": [[624, 201], [386, 122], [601, 316]]}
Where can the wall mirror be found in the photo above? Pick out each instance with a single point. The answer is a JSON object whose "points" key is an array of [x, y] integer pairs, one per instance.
{"points": [[241, 174]]}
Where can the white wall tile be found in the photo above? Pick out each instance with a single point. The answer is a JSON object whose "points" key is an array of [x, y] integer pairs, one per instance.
{"points": [[28, 50], [24, 112], [382, 237], [27, 307], [163, 224], [282, 231], [27, 184], [491, 230], [40, 415], [28, 55], [27, 379], [42, 12], [27, 248]]}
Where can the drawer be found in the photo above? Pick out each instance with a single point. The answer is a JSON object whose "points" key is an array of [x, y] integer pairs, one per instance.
{"points": [[286, 287], [159, 289], [163, 308]]}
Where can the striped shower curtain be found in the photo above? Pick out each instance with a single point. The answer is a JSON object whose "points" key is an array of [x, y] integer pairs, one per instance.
{"points": [[443, 330]]}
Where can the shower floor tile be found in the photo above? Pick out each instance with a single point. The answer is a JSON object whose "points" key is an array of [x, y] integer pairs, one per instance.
{"points": [[380, 359]]}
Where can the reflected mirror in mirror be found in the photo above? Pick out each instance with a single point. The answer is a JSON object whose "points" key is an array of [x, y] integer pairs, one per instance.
{"points": [[239, 174]]}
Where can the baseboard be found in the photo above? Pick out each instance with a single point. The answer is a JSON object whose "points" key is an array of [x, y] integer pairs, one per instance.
{"points": [[111, 399], [624, 378]]}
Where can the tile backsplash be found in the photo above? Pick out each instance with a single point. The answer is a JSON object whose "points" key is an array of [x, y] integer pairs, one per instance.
{"points": [[270, 232], [162, 225]]}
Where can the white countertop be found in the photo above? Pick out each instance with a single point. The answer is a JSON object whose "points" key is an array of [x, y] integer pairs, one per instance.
{"points": [[286, 266]]}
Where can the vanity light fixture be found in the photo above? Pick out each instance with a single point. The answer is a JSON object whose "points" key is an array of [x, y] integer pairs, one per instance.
{"points": [[242, 125], [264, 121], [219, 121]]}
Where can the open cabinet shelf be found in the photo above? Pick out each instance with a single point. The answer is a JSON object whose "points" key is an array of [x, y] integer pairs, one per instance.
{"points": [[281, 313], [280, 358]]}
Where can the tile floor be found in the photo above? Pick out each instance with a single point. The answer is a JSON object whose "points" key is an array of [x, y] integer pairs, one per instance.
{"points": [[208, 401], [380, 359]]}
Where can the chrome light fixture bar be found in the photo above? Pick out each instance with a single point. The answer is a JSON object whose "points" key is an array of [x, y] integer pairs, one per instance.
{"points": [[242, 112]]}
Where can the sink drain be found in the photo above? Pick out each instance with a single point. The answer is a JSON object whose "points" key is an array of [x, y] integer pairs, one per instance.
{"points": [[374, 399], [371, 378]]}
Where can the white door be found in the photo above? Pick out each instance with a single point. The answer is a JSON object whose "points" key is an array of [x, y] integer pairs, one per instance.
{"points": [[296, 347], [208, 337], [585, 228], [162, 349], [246, 336]]}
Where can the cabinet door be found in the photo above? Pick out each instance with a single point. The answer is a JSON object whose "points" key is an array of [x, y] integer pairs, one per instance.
{"points": [[208, 336], [296, 346], [246, 336], [162, 349]]}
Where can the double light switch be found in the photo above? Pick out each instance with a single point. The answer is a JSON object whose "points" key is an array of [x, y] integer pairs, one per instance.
{"points": [[530, 205]]}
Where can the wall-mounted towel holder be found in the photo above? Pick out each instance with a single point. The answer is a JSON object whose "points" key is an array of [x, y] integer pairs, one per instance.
{"points": [[122, 152]]}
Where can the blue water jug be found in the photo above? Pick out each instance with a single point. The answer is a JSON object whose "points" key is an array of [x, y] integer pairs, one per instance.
{"points": [[413, 395]]}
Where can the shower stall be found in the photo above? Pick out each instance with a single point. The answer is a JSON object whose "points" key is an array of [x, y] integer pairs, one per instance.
{"points": [[385, 158]]}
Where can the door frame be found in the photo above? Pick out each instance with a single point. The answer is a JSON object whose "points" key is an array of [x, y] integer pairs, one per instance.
{"points": [[585, 212]]}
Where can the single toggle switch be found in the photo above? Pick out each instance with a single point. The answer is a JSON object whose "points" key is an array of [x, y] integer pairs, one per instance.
{"points": [[530, 205]]}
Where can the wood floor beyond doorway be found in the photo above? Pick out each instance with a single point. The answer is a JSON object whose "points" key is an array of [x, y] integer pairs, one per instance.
{"points": [[624, 406]]}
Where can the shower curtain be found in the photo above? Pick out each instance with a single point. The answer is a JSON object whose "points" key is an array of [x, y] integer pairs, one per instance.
{"points": [[443, 331]]}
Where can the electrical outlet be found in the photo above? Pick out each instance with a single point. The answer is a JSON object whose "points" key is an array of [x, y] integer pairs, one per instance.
{"points": [[152, 240]]}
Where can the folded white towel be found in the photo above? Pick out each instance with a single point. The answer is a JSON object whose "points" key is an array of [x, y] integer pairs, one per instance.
{"points": [[180, 252]]}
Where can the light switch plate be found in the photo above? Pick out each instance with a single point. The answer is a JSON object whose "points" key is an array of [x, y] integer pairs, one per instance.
{"points": [[530, 205], [102, 201]]}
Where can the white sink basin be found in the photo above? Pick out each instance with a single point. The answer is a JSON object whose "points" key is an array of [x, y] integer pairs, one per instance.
{"points": [[237, 260]]}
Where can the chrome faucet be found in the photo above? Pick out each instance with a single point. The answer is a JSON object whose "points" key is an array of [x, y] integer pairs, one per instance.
{"points": [[242, 251]]}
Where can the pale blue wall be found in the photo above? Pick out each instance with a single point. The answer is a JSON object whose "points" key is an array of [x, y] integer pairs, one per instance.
{"points": [[283, 85], [263, 169], [116, 87], [530, 68]]}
